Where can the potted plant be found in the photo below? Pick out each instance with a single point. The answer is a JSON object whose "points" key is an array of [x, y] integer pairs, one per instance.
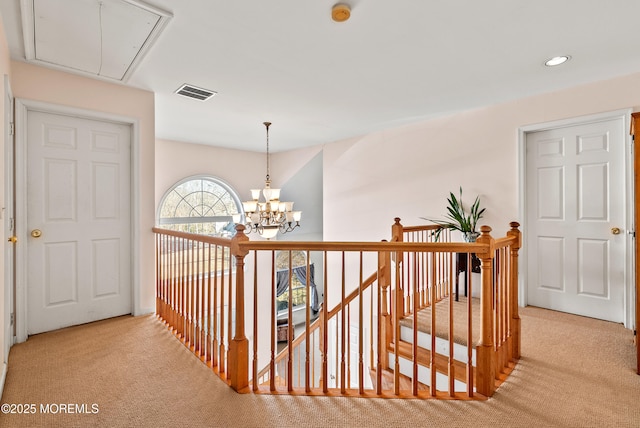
{"points": [[457, 218]]}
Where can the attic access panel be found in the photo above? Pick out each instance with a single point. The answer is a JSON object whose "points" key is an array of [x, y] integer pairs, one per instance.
{"points": [[104, 38]]}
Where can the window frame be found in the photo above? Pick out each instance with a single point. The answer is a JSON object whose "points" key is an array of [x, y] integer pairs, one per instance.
{"points": [[160, 221]]}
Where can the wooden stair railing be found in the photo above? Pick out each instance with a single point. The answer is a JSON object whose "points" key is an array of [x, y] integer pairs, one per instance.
{"points": [[202, 299], [261, 378]]}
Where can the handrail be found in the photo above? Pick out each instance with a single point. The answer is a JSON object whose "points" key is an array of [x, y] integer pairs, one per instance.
{"points": [[445, 247], [217, 240], [420, 228]]}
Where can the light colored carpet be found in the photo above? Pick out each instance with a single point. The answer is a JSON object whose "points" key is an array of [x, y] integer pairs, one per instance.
{"points": [[575, 372], [460, 320]]}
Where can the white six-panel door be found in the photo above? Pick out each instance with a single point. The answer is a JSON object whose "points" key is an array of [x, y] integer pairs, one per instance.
{"points": [[78, 219], [575, 228]]}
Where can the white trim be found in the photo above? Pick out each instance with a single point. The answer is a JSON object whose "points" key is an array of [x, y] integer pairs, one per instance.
{"points": [[625, 115], [22, 108], [3, 377], [7, 215]]}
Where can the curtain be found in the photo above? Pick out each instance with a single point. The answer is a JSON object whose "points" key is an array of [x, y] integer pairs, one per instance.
{"points": [[282, 283], [301, 273]]}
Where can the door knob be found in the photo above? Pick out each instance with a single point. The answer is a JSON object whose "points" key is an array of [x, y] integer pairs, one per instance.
{"points": [[36, 233], [615, 230], [13, 239]]}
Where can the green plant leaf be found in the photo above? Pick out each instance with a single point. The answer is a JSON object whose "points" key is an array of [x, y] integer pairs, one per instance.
{"points": [[456, 218]]}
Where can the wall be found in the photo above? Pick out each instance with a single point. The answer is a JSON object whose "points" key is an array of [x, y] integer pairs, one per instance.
{"points": [[298, 173], [241, 170], [55, 87], [408, 171]]}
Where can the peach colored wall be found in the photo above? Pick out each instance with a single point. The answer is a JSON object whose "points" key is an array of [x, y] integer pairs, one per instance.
{"points": [[5, 332], [408, 171], [56, 87], [242, 170], [239, 169]]}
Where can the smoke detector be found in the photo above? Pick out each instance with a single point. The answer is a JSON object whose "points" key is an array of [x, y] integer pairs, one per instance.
{"points": [[340, 12]]}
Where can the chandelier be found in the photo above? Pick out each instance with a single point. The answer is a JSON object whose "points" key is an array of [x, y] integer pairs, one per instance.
{"points": [[271, 216]]}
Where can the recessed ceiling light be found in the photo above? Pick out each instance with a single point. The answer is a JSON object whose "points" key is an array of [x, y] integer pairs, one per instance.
{"points": [[557, 60]]}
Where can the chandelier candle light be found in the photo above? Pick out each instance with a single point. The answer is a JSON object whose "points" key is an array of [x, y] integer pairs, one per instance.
{"points": [[272, 216]]}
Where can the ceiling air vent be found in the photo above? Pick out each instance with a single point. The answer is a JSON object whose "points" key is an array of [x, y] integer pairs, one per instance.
{"points": [[195, 92]]}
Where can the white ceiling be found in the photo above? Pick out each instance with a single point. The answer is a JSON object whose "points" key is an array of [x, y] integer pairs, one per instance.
{"points": [[392, 63]]}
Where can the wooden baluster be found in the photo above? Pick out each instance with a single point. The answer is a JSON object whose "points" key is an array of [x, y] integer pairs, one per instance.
{"points": [[214, 332], [342, 330], [414, 347], [307, 371], [185, 291], [161, 277], [167, 281], [174, 283], [197, 297], [504, 312], [324, 342], [290, 327], [325, 315], [239, 346], [513, 286], [187, 300], [347, 333], [470, 342], [209, 313], [432, 354], [203, 299], [182, 256], [255, 321], [398, 312], [485, 355], [158, 278], [190, 290], [230, 315], [274, 323], [173, 286], [222, 361], [451, 367]]}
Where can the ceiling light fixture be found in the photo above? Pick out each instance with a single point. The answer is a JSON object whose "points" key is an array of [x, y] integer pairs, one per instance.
{"points": [[272, 216], [557, 60], [340, 12]]}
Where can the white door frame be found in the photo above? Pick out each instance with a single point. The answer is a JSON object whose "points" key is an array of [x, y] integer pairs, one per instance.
{"points": [[629, 274], [23, 106], [8, 283]]}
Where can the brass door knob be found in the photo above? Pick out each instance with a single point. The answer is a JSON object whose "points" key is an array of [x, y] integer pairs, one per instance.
{"points": [[13, 239], [36, 233], [615, 230]]}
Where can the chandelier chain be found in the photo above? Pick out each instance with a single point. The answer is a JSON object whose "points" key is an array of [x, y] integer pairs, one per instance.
{"points": [[267, 124]]}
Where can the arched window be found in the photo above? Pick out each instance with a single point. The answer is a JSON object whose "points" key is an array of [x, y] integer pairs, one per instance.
{"points": [[203, 205]]}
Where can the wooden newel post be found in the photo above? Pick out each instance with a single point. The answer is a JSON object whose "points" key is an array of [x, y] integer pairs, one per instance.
{"points": [[397, 235], [485, 354], [238, 364], [513, 283], [396, 230], [385, 335]]}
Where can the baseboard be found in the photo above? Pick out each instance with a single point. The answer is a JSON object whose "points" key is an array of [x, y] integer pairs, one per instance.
{"points": [[2, 378]]}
